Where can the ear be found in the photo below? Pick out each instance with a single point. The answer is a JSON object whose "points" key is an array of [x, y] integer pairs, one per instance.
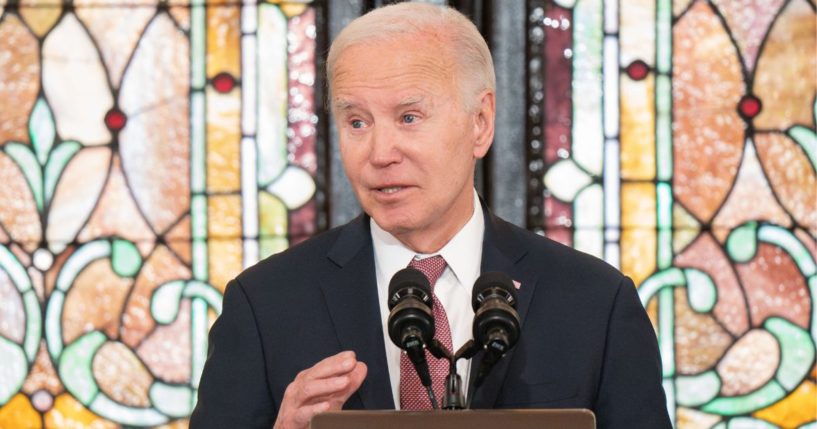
{"points": [[484, 119]]}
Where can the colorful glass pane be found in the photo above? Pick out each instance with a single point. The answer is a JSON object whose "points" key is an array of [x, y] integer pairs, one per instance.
{"points": [[125, 134], [714, 104]]}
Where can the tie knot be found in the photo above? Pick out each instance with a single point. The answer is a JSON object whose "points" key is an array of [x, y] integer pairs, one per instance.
{"points": [[432, 267]]}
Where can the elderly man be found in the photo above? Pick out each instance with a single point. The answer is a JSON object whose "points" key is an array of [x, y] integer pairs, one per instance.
{"points": [[302, 332]]}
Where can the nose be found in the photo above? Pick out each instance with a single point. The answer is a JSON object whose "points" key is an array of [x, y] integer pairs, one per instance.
{"points": [[384, 147]]}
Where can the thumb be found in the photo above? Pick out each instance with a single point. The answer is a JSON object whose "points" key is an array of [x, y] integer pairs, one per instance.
{"points": [[356, 377]]}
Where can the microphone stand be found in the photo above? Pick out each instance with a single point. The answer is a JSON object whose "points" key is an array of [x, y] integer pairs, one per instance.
{"points": [[453, 399]]}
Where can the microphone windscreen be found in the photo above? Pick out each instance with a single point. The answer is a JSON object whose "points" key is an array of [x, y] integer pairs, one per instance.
{"points": [[492, 280], [407, 278]]}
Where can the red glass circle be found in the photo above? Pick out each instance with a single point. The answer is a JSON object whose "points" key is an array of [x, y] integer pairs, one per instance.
{"points": [[638, 70], [223, 83], [115, 120], [749, 106]]}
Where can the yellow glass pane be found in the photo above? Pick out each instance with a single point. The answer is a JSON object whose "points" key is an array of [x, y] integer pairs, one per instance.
{"points": [[68, 413], [271, 246], [637, 128], [223, 141], [225, 261], [223, 40], [638, 220], [224, 214], [638, 205], [684, 228], [638, 248], [273, 216], [794, 410], [291, 8], [18, 413], [40, 15]]}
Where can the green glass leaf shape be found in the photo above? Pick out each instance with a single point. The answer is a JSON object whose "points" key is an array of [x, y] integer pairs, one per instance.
{"points": [[807, 139], [125, 258], [736, 405], [164, 305], [15, 369], [173, 400], [31, 169], [742, 242], [42, 129], [796, 351], [696, 390], [56, 163], [75, 366]]}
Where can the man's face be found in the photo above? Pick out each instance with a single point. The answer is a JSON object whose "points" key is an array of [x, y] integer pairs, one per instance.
{"points": [[407, 142]]}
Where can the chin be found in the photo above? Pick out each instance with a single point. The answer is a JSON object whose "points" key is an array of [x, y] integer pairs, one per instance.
{"points": [[393, 223]]}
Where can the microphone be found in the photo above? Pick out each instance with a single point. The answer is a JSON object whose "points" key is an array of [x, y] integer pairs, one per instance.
{"points": [[496, 322], [411, 321]]}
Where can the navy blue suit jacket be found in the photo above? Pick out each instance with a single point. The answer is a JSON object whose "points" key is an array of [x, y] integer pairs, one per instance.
{"points": [[586, 341]]}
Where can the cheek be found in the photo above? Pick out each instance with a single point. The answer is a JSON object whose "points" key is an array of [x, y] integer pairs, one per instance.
{"points": [[350, 159]]}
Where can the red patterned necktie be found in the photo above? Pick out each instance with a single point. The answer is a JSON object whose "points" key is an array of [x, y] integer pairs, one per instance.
{"points": [[413, 395]]}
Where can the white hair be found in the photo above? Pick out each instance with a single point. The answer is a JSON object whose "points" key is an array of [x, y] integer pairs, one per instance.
{"points": [[474, 68]]}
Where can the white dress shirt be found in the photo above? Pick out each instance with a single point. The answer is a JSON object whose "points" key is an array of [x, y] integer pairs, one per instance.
{"points": [[463, 254]]}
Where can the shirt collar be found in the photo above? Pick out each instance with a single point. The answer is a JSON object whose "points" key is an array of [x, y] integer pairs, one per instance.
{"points": [[463, 253]]}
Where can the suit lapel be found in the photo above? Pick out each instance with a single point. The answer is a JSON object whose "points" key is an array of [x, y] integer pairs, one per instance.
{"points": [[502, 251], [351, 295]]}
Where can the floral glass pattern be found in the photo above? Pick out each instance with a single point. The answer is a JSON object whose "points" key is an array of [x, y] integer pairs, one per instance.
{"points": [[676, 139], [149, 151]]}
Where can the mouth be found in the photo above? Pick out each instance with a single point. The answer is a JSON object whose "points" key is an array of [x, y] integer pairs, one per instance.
{"points": [[390, 189]]}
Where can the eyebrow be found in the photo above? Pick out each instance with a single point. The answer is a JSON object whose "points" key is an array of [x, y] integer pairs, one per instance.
{"points": [[408, 101], [341, 104]]}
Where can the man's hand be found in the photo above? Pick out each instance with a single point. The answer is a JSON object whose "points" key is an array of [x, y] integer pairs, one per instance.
{"points": [[324, 387]]}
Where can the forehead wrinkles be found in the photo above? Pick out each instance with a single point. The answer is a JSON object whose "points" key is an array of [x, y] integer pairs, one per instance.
{"points": [[422, 63]]}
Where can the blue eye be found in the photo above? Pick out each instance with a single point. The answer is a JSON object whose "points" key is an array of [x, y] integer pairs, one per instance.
{"points": [[409, 118], [357, 124]]}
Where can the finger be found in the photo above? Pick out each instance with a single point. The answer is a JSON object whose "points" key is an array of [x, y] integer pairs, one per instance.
{"points": [[304, 414], [332, 366], [314, 390], [356, 377]]}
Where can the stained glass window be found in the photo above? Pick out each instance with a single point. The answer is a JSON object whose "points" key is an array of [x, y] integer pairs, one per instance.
{"points": [[676, 139], [150, 151]]}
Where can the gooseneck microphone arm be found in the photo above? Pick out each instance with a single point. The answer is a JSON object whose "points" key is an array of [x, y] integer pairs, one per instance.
{"points": [[454, 398]]}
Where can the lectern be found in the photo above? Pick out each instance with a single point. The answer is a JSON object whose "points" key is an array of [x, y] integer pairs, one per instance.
{"points": [[460, 419]]}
